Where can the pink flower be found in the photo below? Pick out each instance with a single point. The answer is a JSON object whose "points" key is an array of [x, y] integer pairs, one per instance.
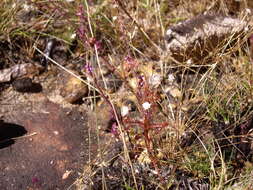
{"points": [[88, 68], [129, 59], [114, 129], [35, 180], [98, 44]]}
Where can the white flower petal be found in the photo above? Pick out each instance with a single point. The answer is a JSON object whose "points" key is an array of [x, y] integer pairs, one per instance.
{"points": [[146, 105], [124, 111]]}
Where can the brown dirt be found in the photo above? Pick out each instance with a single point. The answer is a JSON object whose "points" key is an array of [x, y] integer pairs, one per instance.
{"points": [[41, 141], [55, 146]]}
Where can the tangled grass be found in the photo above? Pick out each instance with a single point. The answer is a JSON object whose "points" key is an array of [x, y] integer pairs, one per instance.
{"points": [[197, 123]]}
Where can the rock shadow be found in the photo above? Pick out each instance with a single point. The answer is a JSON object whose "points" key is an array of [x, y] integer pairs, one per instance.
{"points": [[8, 131]]}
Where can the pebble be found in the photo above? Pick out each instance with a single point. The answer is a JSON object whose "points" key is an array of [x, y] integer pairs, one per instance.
{"points": [[72, 89], [22, 85]]}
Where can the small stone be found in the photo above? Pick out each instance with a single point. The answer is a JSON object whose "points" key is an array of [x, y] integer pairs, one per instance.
{"points": [[155, 80], [26, 12], [171, 78], [26, 85], [174, 92], [73, 89], [124, 111], [17, 71], [66, 174], [133, 83]]}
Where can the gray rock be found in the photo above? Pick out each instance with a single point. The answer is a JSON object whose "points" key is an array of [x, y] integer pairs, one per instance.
{"points": [[196, 37]]}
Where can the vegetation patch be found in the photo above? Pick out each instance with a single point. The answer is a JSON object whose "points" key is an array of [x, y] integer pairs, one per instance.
{"points": [[167, 84]]}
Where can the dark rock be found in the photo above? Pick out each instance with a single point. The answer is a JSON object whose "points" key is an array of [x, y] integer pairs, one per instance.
{"points": [[26, 85]]}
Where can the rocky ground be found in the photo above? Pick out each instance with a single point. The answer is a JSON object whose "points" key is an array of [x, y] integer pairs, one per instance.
{"points": [[107, 95]]}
